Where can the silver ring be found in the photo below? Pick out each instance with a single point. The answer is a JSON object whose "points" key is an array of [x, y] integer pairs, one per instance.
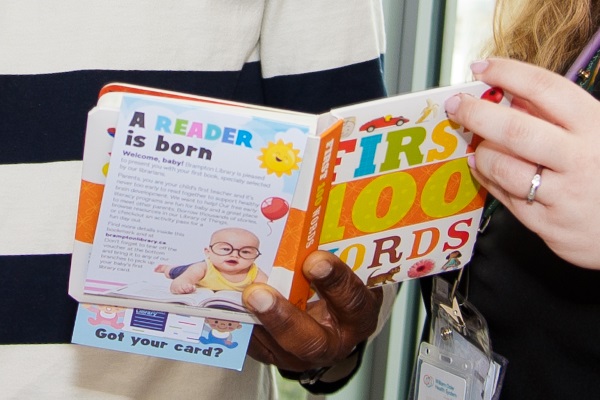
{"points": [[535, 184]]}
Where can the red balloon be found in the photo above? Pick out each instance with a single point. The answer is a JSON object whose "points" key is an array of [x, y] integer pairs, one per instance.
{"points": [[274, 208]]}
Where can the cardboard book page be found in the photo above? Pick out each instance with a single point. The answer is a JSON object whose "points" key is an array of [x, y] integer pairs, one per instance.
{"points": [[403, 202], [176, 174]]}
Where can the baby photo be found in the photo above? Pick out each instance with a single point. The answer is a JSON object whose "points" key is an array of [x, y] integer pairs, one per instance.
{"points": [[229, 264]]}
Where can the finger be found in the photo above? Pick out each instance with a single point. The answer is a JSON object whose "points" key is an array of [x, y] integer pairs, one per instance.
{"points": [[294, 330], [545, 90], [501, 172], [266, 350], [534, 215], [345, 294], [521, 134]]}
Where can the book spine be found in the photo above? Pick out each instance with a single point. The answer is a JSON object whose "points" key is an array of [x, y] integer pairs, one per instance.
{"points": [[303, 228], [97, 148]]}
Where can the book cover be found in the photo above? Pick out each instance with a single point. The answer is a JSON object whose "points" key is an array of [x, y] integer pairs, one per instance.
{"points": [[207, 341]]}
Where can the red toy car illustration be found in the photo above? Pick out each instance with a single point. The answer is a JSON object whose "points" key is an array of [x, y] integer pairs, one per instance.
{"points": [[382, 122]]}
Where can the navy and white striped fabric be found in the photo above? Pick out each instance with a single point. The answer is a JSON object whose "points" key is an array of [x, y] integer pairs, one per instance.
{"points": [[56, 55]]}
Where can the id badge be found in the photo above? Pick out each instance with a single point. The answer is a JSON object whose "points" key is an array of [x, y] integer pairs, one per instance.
{"points": [[442, 376], [459, 355]]}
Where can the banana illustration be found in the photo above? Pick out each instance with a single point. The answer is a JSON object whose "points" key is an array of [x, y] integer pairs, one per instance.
{"points": [[431, 108]]}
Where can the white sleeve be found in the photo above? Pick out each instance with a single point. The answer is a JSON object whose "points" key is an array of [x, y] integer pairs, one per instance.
{"points": [[389, 297]]}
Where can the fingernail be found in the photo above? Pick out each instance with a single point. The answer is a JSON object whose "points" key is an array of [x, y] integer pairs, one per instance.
{"points": [[321, 269], [471, 162], [261, 300], [478, 67], [451, 105]]}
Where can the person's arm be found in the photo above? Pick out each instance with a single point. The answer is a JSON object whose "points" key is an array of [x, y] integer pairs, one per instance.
{"points": [[323, 344], [261, 277], [186, 282], [552, 130]]}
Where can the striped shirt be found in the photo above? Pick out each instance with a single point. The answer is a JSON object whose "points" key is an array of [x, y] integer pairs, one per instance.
{"points": [[54, 58]]}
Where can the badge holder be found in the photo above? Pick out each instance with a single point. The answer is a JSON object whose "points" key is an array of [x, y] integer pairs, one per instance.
{"points": [[458, 363]]}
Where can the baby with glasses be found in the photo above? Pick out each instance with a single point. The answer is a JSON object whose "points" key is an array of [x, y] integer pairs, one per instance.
{"points": [[229, 264]]}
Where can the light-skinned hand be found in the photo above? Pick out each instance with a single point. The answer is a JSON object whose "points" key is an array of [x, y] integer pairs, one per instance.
{"points": [[553, 123]]}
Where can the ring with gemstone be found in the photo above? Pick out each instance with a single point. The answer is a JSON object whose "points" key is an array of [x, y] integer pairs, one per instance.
{"points": [[536, 181]]}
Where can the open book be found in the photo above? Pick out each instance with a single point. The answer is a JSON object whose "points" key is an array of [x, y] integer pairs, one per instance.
{"points": [[383, 184], [164, 172]]}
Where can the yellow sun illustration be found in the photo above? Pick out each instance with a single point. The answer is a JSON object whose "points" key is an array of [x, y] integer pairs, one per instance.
{"points": [[279, 158]]}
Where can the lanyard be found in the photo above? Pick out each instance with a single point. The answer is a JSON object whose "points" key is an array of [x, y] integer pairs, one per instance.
{"points": [[459, 355], [585, 58]]}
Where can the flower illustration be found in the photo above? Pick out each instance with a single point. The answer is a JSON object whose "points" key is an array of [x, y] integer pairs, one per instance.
{"points": [[421, 268]]}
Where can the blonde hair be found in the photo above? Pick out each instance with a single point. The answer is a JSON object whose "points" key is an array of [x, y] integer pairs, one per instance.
{"points": [[548, 33]]}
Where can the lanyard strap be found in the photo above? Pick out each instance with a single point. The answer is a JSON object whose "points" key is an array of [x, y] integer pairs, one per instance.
{"points": [[587, 77], [588, 53]]}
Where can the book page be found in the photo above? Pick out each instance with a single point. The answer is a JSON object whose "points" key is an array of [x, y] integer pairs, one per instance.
{"points": [[201, 297], [181, 171]]}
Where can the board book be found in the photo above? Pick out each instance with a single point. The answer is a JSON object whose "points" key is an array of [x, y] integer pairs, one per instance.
{"points": [[382, 184], [163, 172]]}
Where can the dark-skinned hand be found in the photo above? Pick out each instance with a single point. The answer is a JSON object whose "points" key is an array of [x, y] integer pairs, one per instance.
{"points": [[327, 331]]}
